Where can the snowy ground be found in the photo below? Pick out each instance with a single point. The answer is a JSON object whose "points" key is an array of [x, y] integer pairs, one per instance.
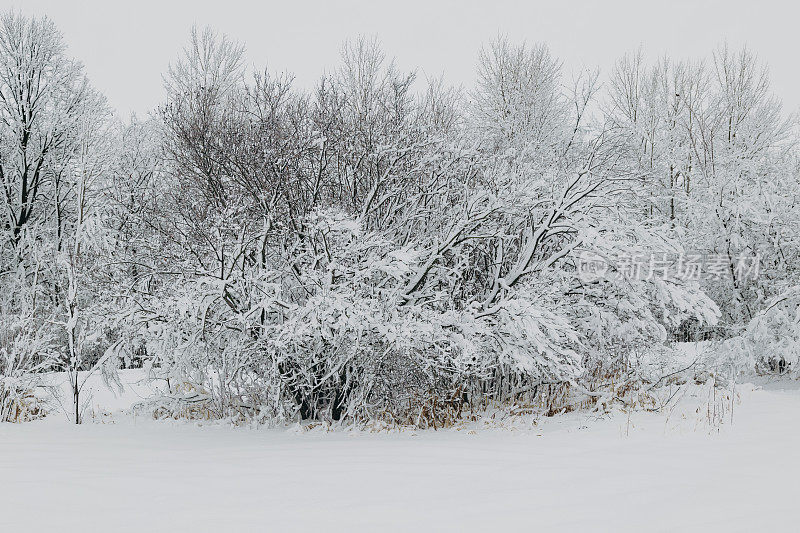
{"points": [[576, 472]]}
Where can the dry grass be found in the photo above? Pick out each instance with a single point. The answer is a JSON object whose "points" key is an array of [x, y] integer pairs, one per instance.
{"points": [[23, 406], [186, 401]]}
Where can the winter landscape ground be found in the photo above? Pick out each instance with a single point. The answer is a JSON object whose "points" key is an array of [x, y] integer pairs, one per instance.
{"points": [[552, 297], [668, 471]]}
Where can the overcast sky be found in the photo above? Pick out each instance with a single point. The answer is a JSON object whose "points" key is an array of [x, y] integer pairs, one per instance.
{"points": [[127, 45]]}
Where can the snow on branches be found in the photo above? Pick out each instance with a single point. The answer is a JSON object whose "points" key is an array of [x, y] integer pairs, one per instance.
{"points": [[372, 250]]}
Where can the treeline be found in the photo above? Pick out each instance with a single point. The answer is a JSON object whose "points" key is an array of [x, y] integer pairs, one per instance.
{"points": [[384, 247]]}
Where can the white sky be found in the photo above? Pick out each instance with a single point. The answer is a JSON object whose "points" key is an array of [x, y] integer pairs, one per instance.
{"points": [[127, 45]]}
